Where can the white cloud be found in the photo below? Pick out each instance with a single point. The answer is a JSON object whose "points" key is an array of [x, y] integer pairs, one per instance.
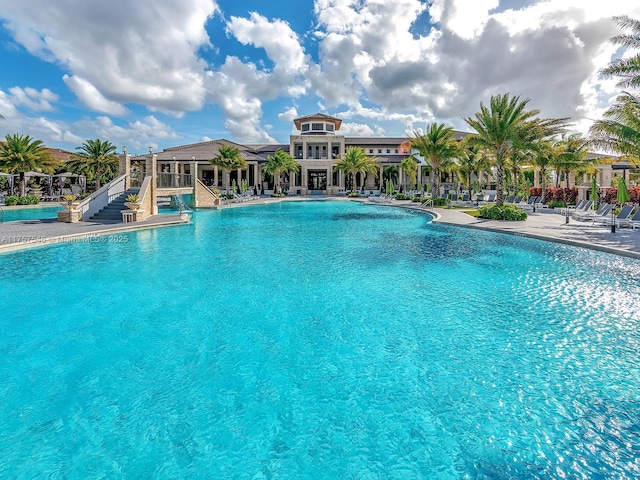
{"points": [[277, 38], [360, 130], [289, 114], [144, 52], [7, 107], [91, 97], [33, 99]]}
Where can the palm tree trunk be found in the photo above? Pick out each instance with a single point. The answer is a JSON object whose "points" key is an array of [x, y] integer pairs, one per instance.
{"points": [[500, 185], [435, 182], [21, 184]]}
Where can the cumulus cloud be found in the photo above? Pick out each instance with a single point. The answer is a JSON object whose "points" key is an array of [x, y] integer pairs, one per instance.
{"points": [[360, 130], [396, 65], [33, 99], [276, 37], [144, 52], [289, 114], [91, 97]]}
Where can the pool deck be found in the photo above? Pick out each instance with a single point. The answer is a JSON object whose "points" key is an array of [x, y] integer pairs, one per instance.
{"points": [[33, 233], [543, 224], [548, 225]]}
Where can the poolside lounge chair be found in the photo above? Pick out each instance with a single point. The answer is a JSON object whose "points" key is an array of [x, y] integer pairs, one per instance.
{"points": [[589, 215], [533, 203], [632, 222], [585, 210], [625, 214], [571, 208]]}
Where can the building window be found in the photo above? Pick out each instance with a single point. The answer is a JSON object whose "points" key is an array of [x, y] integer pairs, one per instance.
{"points": [[329, 127], [316, 127], [396, 150], [379, 150], [388, 150], [305, 127], [371, 150]]}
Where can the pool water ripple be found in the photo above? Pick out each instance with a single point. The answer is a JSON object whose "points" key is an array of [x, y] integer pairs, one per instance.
{"points": [[319, 340]]}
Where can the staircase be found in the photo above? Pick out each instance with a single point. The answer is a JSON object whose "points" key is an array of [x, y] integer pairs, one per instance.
{"points": [[112, 212]]}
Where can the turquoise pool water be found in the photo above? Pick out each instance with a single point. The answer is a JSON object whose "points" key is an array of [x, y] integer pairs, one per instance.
{"points": [[318, 341], [12, 214]]}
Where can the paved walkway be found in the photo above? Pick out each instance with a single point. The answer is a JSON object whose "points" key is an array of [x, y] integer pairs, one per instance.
{"points": [[548, 225], [33, 233]]}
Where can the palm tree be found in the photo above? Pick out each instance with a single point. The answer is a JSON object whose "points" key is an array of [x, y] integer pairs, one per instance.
{"points": [[545, 158], [626, 68], [389, 173], [438, 146], [573, 154], [228, 159], [21, 153], [619, 130], [356, 160], [504, 126], [279, 162], [410, 167], [470, 160], [95, 159]]}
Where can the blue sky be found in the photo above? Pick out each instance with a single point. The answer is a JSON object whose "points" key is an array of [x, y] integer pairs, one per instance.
{"points": [[163, 73]]}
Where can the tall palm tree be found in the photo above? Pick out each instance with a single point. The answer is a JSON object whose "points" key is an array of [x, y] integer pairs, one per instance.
{"points": [[438, 147], [356, 160], [544, 159], [21, 153], [470, 160], [95, 159], [389, 173], [574, 150], [626, 68], [506, 125], [279, 162], [619, 130], [228, 159], [410, 167]]}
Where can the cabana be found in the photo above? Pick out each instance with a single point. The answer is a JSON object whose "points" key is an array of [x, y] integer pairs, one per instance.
{"points": [[77, 184]]}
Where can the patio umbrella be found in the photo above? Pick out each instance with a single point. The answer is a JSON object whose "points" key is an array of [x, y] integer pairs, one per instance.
{"points": [[623, 193]]}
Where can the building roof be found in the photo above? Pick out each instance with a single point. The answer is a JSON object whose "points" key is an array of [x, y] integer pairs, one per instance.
{"points": [[337, 122], [203, 151]]}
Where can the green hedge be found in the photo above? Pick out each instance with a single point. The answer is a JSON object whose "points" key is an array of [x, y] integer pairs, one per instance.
{"points": [[25, 200], [504, 212]]}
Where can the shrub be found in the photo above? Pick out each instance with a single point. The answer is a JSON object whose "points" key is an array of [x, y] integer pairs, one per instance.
{"points": [[417, 199], [439, 202], [402, 196], [133, 198], [25, 200], [353, 194], [504, 212]]}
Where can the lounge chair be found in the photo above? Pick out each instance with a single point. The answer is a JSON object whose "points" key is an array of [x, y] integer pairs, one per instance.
{"points": [[586, 214], [570, 208], [625, 214], [533, 203], [632, 222], [585, 209]]}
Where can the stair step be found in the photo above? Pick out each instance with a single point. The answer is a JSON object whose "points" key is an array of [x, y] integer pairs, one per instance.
{"points": [[112, 211]]}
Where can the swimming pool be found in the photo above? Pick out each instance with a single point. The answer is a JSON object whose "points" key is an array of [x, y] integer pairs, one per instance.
{"points": [[318, 340], [13, 214]]}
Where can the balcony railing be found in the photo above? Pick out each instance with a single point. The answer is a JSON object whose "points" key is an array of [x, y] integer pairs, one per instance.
{"points": [[175, 180]]}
